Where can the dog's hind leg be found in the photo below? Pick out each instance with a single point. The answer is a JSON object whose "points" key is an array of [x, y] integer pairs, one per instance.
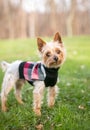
{"points": [[18, 87], [7, 85]]}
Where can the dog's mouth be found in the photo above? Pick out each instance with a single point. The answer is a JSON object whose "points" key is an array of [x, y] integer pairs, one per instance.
{"points": [[54, 64]]}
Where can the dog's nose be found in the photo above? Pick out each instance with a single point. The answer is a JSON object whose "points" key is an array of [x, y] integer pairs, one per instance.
{"points": [[55, 58]]}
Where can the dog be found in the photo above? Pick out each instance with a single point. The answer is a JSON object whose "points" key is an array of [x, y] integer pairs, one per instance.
{"points": [[39, 74]]}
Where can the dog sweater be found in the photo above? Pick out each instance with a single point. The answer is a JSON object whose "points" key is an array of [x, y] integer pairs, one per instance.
{"points": [[32, 71]]}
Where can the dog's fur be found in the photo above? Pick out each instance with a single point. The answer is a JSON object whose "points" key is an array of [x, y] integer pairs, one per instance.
{"points": [[52, 55]]}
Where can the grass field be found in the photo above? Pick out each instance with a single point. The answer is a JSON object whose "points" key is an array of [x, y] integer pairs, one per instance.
{"points": [[72, 107]]}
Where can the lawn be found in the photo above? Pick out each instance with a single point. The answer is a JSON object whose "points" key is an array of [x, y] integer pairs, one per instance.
{"points": [[72, 107]]}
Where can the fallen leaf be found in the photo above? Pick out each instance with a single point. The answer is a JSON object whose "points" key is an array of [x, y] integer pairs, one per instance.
{"points": [[81, 107], [39, 127]]}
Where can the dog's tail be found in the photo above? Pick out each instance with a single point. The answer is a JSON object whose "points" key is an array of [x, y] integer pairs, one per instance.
{"points": [[4, 65]]}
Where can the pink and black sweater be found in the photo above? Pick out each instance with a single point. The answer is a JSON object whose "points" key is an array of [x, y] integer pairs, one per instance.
{"points": [[32, 71]]}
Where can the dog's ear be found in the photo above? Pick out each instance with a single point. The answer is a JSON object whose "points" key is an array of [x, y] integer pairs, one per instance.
{"points": [[40, 44], [57, 37]]}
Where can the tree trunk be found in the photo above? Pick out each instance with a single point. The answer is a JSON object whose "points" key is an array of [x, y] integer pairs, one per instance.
{"points": [[70, 18], [31, 24]]}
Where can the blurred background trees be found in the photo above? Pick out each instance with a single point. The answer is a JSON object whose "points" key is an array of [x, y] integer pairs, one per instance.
{"points": [[26, 18]]}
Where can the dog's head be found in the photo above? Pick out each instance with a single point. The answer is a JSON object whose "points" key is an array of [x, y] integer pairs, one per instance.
{"points": [[52, 53]]}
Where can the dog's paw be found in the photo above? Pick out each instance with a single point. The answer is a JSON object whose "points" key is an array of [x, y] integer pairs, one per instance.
{"points": [[50, 105], [21, 102], [4, 108], [37, 112]]}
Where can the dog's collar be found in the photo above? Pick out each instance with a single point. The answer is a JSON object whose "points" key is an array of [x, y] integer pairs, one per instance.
{"points": [[51, 69], [51, 76]]}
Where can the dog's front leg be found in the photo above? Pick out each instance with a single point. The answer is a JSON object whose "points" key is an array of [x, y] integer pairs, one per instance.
{"points": [[52, 93], [37, 96]]}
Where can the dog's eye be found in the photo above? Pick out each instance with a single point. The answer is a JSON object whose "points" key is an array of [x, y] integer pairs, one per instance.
{"points": [[58, 51], [48, 54]]}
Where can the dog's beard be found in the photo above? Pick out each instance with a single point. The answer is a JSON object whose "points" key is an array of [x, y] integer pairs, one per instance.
{"points": [[52, 63]]}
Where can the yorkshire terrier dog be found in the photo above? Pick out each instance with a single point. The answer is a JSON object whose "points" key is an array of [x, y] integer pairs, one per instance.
{"points": [[39, 74]]}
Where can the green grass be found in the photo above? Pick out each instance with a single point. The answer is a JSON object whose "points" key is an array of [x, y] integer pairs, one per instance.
{"points": [[72, 107]]}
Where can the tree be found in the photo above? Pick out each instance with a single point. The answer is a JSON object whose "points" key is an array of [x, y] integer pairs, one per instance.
{"points": [[70, 17], [52, 9]]}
